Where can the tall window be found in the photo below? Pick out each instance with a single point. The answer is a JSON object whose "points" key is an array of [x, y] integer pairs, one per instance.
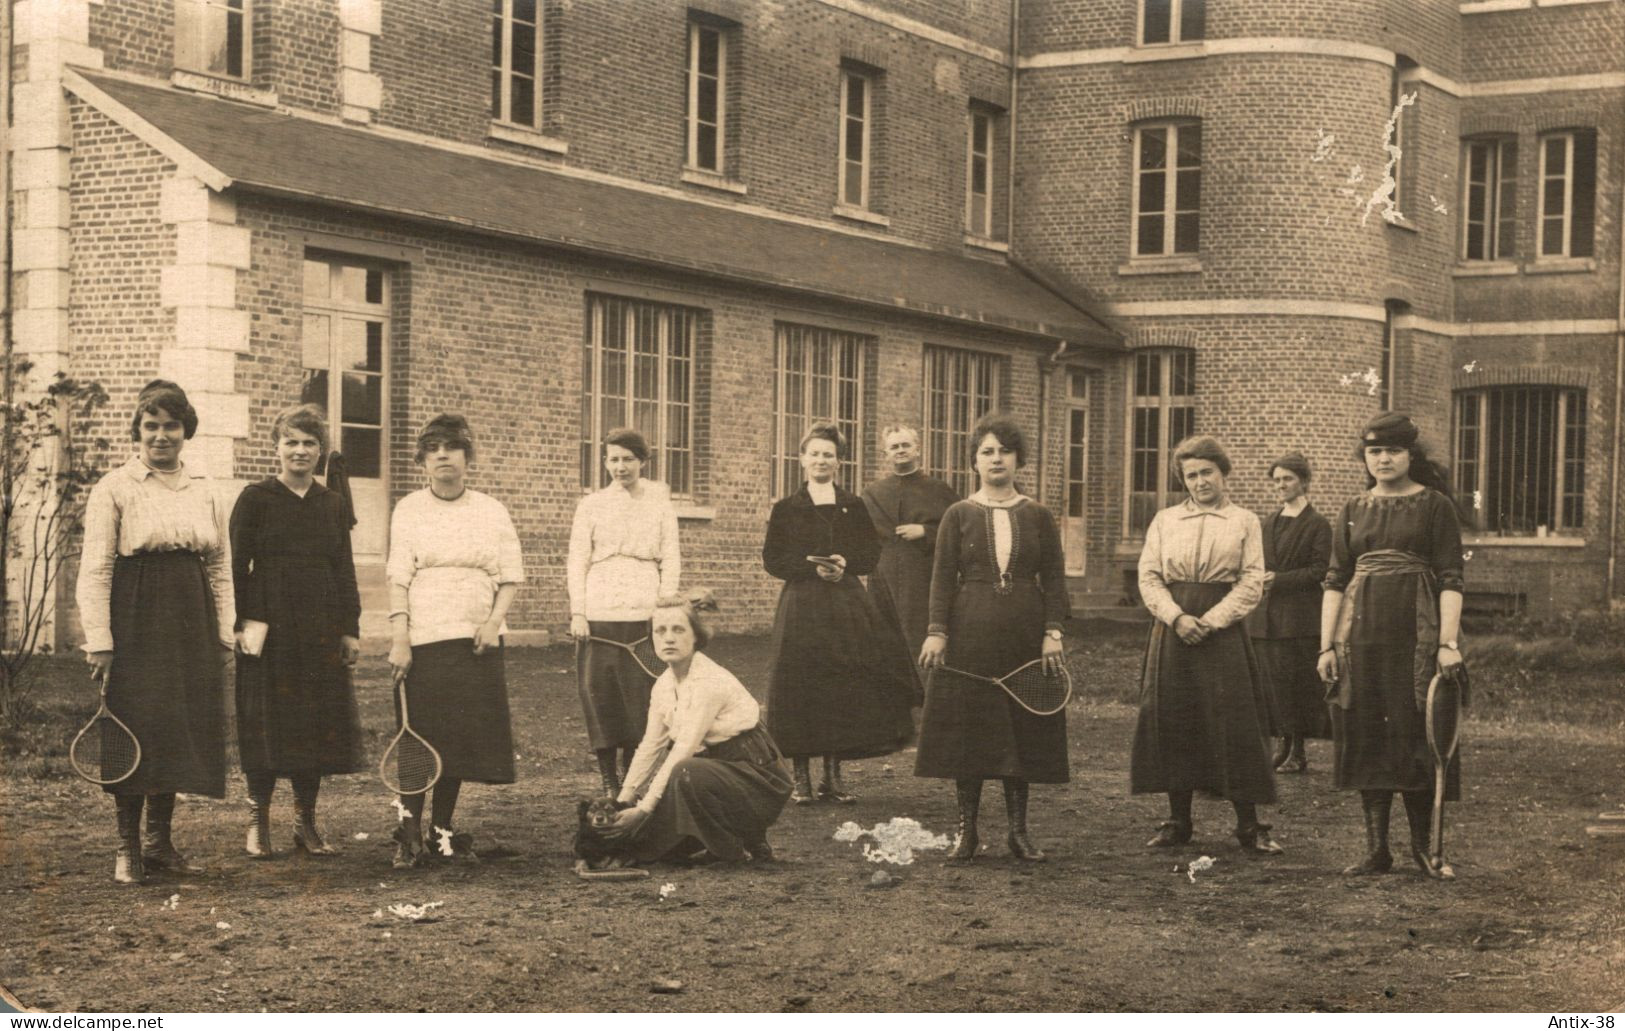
{"points": [[212, 37], [1490, 202], [1167, 189], [1399, 102], [638, 370], [1388, 367], [707, 96], [1172, 21], [820, 377], [857, 118], [346, 326], [979, 172], [1520, 457], [1568, 194], [1162, 413], [516, 47], [960, 388]]}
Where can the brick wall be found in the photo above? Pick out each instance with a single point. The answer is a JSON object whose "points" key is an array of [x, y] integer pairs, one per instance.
{"points": [[1543, 41]]}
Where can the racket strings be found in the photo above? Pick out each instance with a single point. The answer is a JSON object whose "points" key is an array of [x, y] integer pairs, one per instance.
{"points": [[1042, 693], [105, 752], [644, 652], [416, 766]]}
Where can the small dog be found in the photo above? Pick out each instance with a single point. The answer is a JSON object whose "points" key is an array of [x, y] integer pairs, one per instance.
{"points": [[593, 851]]}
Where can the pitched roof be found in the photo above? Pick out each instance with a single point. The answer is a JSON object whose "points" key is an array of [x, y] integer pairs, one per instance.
{"points": [[265, 150]]}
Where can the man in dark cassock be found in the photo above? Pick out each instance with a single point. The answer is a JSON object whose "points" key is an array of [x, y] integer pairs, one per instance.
{"points": [[906, 507]]}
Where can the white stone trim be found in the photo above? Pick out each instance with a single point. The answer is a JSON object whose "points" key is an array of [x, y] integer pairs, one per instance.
{"points": [[919, 28], [1531, 327], [1549, 84], [1306, 308], [1213, 48]]}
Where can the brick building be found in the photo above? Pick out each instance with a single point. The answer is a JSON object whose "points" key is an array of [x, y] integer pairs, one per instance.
{"points": [[716, 219]]}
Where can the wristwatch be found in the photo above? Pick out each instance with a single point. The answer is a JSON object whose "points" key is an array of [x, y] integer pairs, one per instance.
{"points": [[1053, 634], [1449, 644]]}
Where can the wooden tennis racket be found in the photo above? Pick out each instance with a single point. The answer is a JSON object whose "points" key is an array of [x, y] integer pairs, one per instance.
{"points": [[1446, 695], [1040, 693], [105, 751], [642, 651], [410, 765]]}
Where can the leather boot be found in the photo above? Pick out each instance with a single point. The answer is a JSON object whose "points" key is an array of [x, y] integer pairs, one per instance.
{"points": [[1015, 808], [1282, 751], [1378, 859], [802, 794], [833, 789], [1419, 814], [127, 866], [409, 850], [968, 793], [158, 852], [258, 844], [306, 838]]}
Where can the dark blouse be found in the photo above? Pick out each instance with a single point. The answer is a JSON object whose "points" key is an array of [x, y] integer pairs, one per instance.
{"points": [[1424, 524], [798, 528], [1297, 549], [291, 560], [965, 554]]}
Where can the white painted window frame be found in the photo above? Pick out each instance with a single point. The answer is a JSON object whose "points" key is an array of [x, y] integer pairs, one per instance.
{"points": [[197, 22], [866, 163], [720, 156], [1170, 192]]}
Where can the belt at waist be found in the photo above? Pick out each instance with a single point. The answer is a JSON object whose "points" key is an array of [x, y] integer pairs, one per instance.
{"points": [[753, 746]]}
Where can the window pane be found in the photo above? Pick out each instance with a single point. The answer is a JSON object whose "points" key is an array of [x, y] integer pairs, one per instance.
{"points": [[524, 49], [1556, 156], [1190, 145], [706, 99], [854, 140], [234, 42], [710, 46], [1188, 191], [316, 347], [1187, 231], [313, 389], [524, 11], [1150, 237], [1158, 17], [361, 345], [855, 85], [1153, 148], [1192, 19], [363, 399], [705, 142], [316, 280], [852, 190], [362, 449], [1551, 236], [524, 102], [1584, 194], [375, 286]]}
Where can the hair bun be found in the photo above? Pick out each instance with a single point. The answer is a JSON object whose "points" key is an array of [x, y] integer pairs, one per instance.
{"points": [[701, 599]]}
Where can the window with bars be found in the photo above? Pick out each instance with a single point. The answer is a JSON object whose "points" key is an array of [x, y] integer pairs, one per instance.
{"points": [[960, 388], [1167, 189], [1568, 194], [1172, 21], [1162, 412], [212, 37], [1520, 458], [707, 97], [819, 378], [979, 172], [638, 369], [1489, 200], [857, 126], [516, 62]]}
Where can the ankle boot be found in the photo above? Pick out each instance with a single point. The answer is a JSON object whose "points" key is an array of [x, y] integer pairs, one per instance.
{"points": [[306, 838], [968, 793], [408, 837], [803, 792], [1419, 815], [258, 844], [1015, 807], [127, 867], [1376, 806], [833, 789], [158, 852], [1282, 751]]}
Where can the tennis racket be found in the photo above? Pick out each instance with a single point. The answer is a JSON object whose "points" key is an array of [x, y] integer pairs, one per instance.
{"points": [[105, 751], [410, 765], [1040, 693], [1446, 694], [642, 651]]}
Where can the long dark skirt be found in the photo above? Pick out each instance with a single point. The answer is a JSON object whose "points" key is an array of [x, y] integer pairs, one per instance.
{"points": [[296, 711], [1202, 722], [1288, 665], [459, 704], [614, 689], [975, 730], [167, 681], [842, 683], [721, 799]]}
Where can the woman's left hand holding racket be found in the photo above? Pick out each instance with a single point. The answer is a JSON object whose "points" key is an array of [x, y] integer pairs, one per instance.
{"points": [[400, 659]]}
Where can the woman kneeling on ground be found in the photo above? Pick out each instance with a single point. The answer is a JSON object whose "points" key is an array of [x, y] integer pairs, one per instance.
{"points": [[706, 775]]}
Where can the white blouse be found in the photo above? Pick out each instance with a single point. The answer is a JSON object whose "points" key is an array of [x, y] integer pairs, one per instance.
{"points": [[1190, 544], [623, 553], [451, 556], [708, 707]]}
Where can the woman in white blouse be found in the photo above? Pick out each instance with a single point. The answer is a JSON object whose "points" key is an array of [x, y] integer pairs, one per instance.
{"points": [[156, 602], [454, 565], [623, 555], [707, 774], [1202, 724]]}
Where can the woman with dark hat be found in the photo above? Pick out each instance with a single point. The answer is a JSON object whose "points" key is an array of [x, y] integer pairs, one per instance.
{"points": [[1389, 621], [155, 600], [1286, 626], [1203, 711], [454, 566], [998, 599], [840, 684], [298, 634]]}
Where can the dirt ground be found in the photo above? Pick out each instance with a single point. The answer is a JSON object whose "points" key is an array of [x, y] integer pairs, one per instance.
{"points": [[1535, 922]]}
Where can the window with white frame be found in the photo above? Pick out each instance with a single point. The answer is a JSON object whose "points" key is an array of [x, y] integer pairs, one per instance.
{"points": [[1167, 189], [1489, 198], [1172, 21], [1568, 194], [820, 378], [1162, 412], [707, 97], [516, 62], [212, 37], [979, 166], [638, 369], [1401, 108], [960, 387], [857, 126], [1520, 458]]}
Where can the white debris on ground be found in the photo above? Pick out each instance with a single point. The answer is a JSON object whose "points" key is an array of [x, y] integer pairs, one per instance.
{"points": [[221, 925], [362, 835], [414, 914], [667, 890], [401, 812], [895, 841], [444, 842], [1199, 865], [173, 902]]}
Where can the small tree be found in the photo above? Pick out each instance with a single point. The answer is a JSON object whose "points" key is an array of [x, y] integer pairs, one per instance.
{"points": [[49, 457]]}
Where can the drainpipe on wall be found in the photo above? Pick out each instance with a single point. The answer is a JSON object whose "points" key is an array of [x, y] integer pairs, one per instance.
{"points": [[1619, 384], [1010, 122]]}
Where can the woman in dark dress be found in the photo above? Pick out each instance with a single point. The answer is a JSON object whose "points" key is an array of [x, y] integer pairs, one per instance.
{"points": [[998, 599], [1286, 625], [840, 684], [298, 633], [155, 600], [1203, 712], [1390, 619]]}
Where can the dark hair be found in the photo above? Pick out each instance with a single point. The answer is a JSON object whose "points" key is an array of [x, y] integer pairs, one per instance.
{"points": [[629, 438], [301, 417], [163, 395], [693, 605], [1201, 448], [1005, 430], [1294, 463], [448, 429], [1395, 429], [826, 431]]}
